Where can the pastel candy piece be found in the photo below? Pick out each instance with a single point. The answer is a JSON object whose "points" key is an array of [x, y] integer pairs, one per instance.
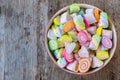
{"points": [[76, 47], [57, 20], [73, 34], [64, 17], [69, 57], [57, 30], [96, 62], [83, 52], [51, 34], [58, 53], [99, 30], [88, 34], [74, 8], [73, 15], [94, 43], [103, 20], [78, 20], [86, 22], [77, 57], [102, 55], [70, 47], [97, 14], [84, 65], [69, 25], [82, 13], [65, 38], [106, 42], [92, 29], [107, 33], [62, 62], [53, 44], [90, 16], [101, 47], [73, 66], [82, 37]]}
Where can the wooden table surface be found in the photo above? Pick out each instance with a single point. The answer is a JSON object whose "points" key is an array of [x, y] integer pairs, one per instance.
{"points": [[23, 55]]}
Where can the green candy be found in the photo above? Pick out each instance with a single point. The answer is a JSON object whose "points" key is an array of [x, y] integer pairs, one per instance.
{"points": [[53, 44], [57, 20], [73, 34], [74, 8], [82, 13]]}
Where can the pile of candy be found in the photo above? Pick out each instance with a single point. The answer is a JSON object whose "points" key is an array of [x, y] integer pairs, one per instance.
{"points": [[80, 38]]}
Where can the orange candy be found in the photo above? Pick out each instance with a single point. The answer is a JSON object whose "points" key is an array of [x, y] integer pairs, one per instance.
{"points": [[96, 14], [68, 26]]}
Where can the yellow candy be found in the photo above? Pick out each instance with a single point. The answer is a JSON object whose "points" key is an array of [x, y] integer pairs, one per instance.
{"points": [[57, 20], [65, 38], [102, 55], [76, 47], [99, 30]]}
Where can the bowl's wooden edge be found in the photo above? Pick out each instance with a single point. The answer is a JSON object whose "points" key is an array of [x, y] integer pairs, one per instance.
{"points": [[90, 72]]}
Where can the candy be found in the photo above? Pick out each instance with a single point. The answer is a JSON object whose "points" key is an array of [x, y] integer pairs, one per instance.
{"points": [[86, 22], [61, 62], [94, 44], [51, 34], [65, 38], [58, 52], [84, 65], [99, 30], [106, 42], [53, 44], [83, 52], [69, 57], [102, 55], [90, 16], [82, 13], [64, 17], [57, 20], [91, 30], [96, 14], [96, 62], [69, 25], [107, 33], [76, 47], [77, 57], [73, 15], [70, 47], [78, 20], [73, 34], [73, 66], [103, 20], [74, 8], [82, 37], [101, 47]]}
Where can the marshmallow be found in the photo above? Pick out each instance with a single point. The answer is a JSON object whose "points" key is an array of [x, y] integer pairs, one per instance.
{"points": [[61, 62], [57, 20], [96, 14], [107, 33], [102, 55], [83, 52], [58, 53], [53, 44], [74, 8], [73, 34], [99, 30], [70, 47], [51, 34], [82, 13], [92, 29]]}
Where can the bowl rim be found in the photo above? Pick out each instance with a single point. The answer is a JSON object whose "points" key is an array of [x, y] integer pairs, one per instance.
{"points": [[112, 51]]}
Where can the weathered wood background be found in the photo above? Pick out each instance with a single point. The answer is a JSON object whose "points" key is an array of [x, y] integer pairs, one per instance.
{"points": [[22, 50]]}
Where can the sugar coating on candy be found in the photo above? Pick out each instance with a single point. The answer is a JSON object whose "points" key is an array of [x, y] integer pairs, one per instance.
{"points": [[65, 38], [64, 17], [78, 20], [94, 44], [103, 20], [83, 52], [69, 25], [70, 47], [107, 33], [96, 62], [74, 8], [106, 42], [51, 34], [61, 62], [53, 44], [57, 20], [84, 65], [90, 16], [99, 30], [92, 29], [102, 55], [96, 14]]}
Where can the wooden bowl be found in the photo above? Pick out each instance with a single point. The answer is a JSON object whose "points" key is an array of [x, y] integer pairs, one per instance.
{"points": [[112, 50]]}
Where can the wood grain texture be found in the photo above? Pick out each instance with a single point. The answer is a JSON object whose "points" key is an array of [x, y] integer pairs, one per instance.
{"points": [[23, 55]]}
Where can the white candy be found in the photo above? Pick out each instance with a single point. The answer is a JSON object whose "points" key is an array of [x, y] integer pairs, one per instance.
{"points": [[73, 15], [83, 52], [70, 47], [90, 16], [96, 62], [107, 33], [72, 66], [92, 29], [64, 17], [51, 34]]}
